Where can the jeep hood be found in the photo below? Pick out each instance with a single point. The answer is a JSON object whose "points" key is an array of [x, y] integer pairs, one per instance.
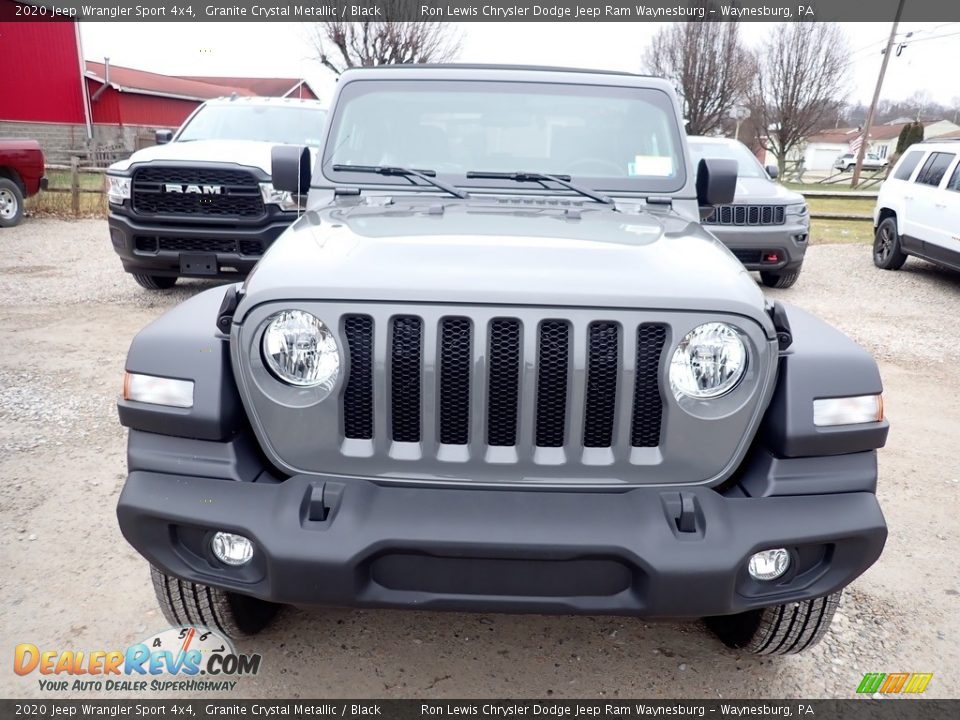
{"points": [[504, 254], [762, 190], [251, 153]]}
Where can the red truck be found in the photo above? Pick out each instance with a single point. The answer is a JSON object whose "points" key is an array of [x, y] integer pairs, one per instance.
{"points": [[21, 175]]}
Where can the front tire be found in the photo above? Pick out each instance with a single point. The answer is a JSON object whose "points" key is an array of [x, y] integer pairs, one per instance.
{"points": [[887, 253], [779, 279], [155, 282], [778, 630], [11, 203], [184, 603]]}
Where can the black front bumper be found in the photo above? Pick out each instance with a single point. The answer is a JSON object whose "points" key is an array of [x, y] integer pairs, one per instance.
{"points": [[357, 543], [190, 248]]}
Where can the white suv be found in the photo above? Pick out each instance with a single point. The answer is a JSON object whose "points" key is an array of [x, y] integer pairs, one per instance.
{"points": [[918, 208]]}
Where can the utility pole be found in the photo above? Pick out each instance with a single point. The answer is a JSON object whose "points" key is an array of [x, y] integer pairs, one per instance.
{"points": [[876, 96]]}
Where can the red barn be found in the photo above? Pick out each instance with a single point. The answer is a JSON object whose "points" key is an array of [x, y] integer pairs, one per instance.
{"points": [[72, 106]]}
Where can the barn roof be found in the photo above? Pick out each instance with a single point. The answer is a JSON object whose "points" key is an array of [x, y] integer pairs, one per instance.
{"points": [[265, 86], [147, 83]]}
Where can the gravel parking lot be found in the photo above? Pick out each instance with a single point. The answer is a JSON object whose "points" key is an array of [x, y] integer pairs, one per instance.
{"points": [[70, 581]]}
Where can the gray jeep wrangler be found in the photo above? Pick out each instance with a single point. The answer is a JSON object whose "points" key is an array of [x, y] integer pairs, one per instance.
{"points": [[499, 366]]}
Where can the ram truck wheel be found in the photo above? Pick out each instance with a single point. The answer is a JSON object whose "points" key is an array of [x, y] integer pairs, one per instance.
{"points": [[155, 282], [186, 603], [777, 630]]}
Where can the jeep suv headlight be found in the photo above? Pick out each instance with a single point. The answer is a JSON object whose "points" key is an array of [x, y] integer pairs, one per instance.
{"points": [[798, 210], [300, 350], [708, 362], [118, 189], [272, 196]]}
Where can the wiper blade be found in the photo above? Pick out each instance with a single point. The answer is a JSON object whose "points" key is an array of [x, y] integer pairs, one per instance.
{"points": [[428, 176], [540, 178]]}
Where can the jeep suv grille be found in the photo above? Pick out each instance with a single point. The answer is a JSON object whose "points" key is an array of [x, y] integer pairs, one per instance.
{"points": [[747, 215], [201, 191], [603, 386]]}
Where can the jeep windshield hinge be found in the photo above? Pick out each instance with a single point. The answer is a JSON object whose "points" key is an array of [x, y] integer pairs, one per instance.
{"points": [[781, 324]]}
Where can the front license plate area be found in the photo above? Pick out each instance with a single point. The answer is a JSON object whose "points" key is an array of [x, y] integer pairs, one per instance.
{"points": [[195, 264]]}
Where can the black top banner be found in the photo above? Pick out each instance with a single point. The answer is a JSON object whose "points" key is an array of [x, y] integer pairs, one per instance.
{"points": [[486, 10]]}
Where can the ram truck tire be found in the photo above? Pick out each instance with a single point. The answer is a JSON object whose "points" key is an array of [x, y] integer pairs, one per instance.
{"points": [[185, 603], [778, 630], [887, 253], [11, 203], [779, 279], [155, 282]]}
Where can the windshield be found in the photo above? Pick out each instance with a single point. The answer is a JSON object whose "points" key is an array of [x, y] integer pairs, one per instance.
{"points": [[747, 164], [292, 124], [605, 138]]}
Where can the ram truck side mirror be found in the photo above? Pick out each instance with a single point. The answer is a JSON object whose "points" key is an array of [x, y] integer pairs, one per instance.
{"points": [[716, 181], [163, 136], [773, 171], [290, 168]]}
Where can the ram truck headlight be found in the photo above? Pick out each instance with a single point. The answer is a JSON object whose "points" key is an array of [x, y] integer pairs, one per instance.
{"points": [[708, 362], [828, 412], [301, 351], [272, 196], [118, 189]]}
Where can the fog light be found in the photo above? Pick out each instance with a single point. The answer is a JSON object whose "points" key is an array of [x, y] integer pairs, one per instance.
{"points": [[231, 549], [769, 564]]}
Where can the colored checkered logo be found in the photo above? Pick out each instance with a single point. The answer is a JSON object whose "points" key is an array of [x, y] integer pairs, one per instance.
{"points": [[894, 683]]}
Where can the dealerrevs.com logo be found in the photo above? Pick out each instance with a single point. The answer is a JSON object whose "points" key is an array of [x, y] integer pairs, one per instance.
{"points": [[186, 659]]}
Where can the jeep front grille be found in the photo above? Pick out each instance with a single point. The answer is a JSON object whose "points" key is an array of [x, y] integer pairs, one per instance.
{"points": [[747, 215], [204, 191], [598, 391]]}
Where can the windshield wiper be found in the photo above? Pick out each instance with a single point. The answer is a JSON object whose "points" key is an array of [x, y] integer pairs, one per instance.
{"points": [[541, 178], [428, 176]]}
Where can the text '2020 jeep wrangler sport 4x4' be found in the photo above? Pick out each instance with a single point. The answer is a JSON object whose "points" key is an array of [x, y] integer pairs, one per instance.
{"points": [[499, 366]]}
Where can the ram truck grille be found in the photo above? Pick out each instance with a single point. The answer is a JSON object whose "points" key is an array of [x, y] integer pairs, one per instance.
{"points": [[196, 192], [747, 215]]}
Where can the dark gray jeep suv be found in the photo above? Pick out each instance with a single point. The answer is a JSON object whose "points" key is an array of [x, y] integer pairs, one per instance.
{"points": [[499, 366]]}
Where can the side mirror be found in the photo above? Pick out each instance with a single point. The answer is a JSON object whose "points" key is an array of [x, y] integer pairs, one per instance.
{"points": [[716, 181], [773, 171], [163, 136], [290, 168]]}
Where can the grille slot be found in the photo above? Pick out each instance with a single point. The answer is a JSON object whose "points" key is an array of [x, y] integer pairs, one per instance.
{"points": [[747, 215], [358, 394], [647, 403], [503, 382], [603, 359], [217, 192], [552, 377], [455, 360], [405, 356]]}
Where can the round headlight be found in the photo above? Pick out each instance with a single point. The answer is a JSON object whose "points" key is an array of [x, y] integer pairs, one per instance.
{"points": [[300, 350], [708, 362]]}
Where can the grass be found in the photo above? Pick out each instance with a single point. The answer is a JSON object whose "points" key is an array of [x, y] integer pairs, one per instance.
{"points": [[58, 204], [827, 232]]}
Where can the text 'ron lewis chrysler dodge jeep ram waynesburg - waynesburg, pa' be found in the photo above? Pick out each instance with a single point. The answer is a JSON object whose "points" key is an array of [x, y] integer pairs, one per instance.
{"points": [[499, 366], [200, 203]]}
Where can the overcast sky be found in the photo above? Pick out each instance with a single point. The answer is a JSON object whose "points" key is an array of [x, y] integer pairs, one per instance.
{"points": [[283, 49]]}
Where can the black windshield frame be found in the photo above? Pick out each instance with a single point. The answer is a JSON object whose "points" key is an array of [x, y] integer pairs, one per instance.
{"points": [[640, 185]]}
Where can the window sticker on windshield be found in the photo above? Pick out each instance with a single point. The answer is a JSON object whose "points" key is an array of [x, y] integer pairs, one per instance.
{"points": [[651, 166]]}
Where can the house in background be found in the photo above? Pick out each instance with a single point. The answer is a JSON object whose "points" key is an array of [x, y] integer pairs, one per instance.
{"points": [[821, 150], [97, 109]]}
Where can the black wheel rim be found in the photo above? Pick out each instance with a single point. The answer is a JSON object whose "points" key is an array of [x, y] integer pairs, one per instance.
{"points": [[884, 244]]}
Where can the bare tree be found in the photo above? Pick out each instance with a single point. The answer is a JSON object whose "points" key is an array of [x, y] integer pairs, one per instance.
{"points": [[799, 85], [708, 64], [342, 45]]}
